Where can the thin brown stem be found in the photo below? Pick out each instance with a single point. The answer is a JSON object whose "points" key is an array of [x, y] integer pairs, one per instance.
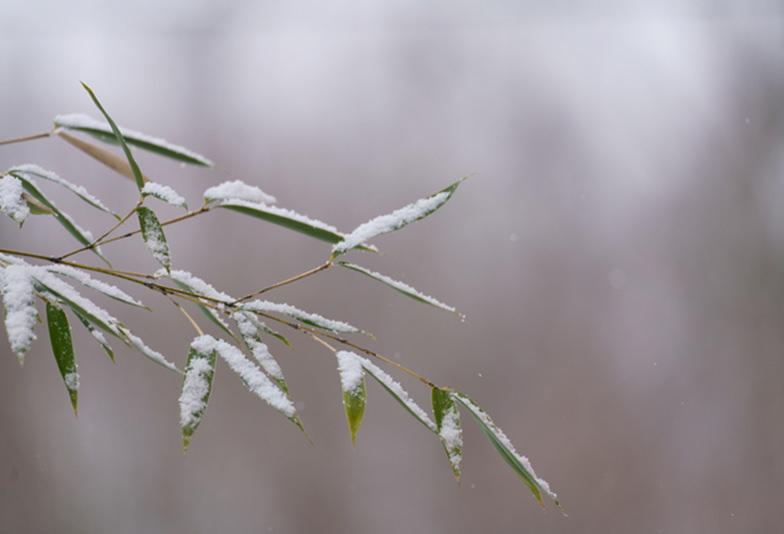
{"points": [[25, 138], [326, 265], [190, 214], [187, 316], [103, 236]]}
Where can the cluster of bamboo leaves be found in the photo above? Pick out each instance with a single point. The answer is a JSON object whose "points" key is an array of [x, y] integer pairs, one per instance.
{"points": [[243, 321]]}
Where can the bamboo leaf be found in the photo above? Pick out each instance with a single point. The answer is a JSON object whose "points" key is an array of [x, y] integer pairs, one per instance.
{"points": [[398, 286], [110, 159], [21, 316], [396, 220], [519, 463], [196, 389], [96, 334], [62, 348], [448, 425], [12, 201], [137, 173], [249, 327], [164, 193], [288, 219], [154, 238], [86, 280], [105, 132], [36, 208], [352, 383]]}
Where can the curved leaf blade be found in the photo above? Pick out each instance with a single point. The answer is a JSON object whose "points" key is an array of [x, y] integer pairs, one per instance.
{"points": [[154, 238], [96, 334], [448, 425], [62, 348], [196, 389], [104, 157]]}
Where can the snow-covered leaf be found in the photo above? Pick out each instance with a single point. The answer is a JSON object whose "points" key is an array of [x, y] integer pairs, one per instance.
{"points": [[448, 426], [237, 190], [312, 319], [137, 343], [35, 171], [519, 463], [12, 201], [137, 173], [19, 302], [105, 132], [288, 219], [352, 383], [85, 237], [396, 220], [193, 284], [62, 348], [154, 238], [165, 194], [196, 389], [249, 327], [96, 334], [83, 278], [401, 287]]}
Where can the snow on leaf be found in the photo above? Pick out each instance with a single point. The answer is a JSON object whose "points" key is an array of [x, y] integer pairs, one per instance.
{"points": [[309, 318], [448, 424], [352, 382], [83, 278], [153, 355], [249, 330], [188, 282], [97, 334], [103, 131], [62, 348], [11, 201], [164, 193], [237, 190], [20, 313], [196, 388], [154, 238], [394, 221]]}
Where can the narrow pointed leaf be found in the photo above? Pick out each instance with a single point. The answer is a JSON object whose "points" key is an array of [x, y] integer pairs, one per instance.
{"points": [[154, 238], [86, 280], [101, 155], [519, 463], [96, 334], [448, 425], [398, 286], [396, 220], [288, 219], [137, 173], [137, 343], [352, 383], [62, 348], [196, 389], [308, 318], [105, 132], [249, 327]]}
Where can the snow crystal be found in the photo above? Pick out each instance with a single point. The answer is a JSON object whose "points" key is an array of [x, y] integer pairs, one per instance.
{"points": [[196, 284], [452, 436], [35, 170], [238, 190], [250, 333], [390, 222], [78, 120], [20, 312], [155, 240], [300, 315], [83, 278], [11, 201], [195, 388], [155, 356], [398, 390], [351, 371], [72, 381], [487, 421], [164, 193], [401, 286]]}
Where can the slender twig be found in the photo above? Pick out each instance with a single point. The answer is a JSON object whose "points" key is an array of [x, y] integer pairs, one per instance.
{"points": [[324, 343], [190, 214], [25, 138], [326, 265], [103, 236], [187, 316]]}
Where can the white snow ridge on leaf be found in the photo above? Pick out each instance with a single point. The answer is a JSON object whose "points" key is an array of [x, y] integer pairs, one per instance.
{"points": [[238, 190], [196, 385], [32, 170], [300, 315], [20, 312], [351, 371], [11, 201], [164, 193]]}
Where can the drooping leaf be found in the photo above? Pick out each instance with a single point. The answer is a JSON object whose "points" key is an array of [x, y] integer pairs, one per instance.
{"points": [[288, 219], [62, 348], [105, 132], [519, 463], [37, 172], [249, 327], [154, 238], [396, 220], [110, 159], [137, 173], [352, 383], [398, 286], [82, 236], [96, 334], [448, 425], [196, 389]]}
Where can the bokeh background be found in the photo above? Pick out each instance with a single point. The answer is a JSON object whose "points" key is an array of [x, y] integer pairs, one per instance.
{"points": [[619, 253]]}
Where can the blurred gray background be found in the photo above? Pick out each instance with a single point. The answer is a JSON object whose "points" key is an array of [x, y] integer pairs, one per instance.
{"points": [[619, 253]]}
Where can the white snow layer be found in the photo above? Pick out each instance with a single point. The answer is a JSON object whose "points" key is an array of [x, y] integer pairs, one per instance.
{"points": [[238, 190], [351, 371], [452, 436], [300, 315], [20, 312], [11, 201], [78, 120], [250, 333], [195, 388], [71, 381], [196, 284], [153, 355], [35, 170], [405, 288], [390, 222], [86, 280], [485, 418], [164, 193]]}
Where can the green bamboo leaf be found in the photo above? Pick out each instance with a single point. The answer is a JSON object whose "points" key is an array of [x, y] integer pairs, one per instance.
{"points": [[154, 238], [519, 463], [113, 292], [137, 173], [12, 201], [62, 348], [396, 220], [105, 132], [196, 389], [249, 326], [398, 286], [288, 219], [164, 193], [448, 425], [96, 334], [352, 383], [82, 236]]}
